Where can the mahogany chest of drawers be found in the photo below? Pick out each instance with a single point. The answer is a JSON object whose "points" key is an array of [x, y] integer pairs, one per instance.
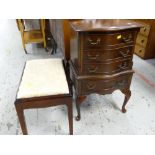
{"points": [[101, 57]]}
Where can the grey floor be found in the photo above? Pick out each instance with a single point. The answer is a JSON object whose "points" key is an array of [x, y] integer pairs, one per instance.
{"points": [[100, 114]]}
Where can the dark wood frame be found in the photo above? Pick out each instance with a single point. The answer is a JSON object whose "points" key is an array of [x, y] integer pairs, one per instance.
{"points": [[79, 99], [84, 40], [44, 102]]}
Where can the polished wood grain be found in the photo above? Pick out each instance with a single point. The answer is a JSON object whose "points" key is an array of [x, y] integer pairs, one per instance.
{"points": [[103, 86], [101, 57], [107, 41], [104, 25], [107, 68]]}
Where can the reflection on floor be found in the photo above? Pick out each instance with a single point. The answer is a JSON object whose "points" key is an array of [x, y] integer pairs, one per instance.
{"points": [[100, 114]]}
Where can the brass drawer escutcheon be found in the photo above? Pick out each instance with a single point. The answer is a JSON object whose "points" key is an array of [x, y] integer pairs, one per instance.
{"points": [[92, 70], [93, 57], [91, 86], [125, 54], [123, 65], [94, 43]]}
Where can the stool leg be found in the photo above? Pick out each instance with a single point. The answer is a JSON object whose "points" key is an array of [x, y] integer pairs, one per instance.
{"points": [[70, 117], [20, 113]]}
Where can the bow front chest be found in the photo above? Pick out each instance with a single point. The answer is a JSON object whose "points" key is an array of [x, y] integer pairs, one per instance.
{"points": [[101, 57]]}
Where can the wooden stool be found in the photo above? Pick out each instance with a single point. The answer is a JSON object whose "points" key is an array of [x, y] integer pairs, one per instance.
{"points": [[44, 83]]}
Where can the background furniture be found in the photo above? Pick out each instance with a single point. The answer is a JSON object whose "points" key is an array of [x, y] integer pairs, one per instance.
{"points": [[32, 36], [51, 44], [60, 30], [61, 33], [145, 43], [101, 57], [44, 85]]}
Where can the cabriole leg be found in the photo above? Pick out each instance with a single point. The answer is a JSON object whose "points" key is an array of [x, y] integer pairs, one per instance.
{"points": [[78, 101], [127, 94]]}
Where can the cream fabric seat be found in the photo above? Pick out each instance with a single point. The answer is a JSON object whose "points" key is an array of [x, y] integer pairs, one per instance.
{"points": [[43, 77]]}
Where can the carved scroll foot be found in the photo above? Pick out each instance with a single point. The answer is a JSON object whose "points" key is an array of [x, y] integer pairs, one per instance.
{"points": [[127, 94], [123, 110], [78, 117]]}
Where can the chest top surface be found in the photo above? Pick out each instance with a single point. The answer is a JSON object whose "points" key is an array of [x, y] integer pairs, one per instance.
{"points": [[104, 25]]}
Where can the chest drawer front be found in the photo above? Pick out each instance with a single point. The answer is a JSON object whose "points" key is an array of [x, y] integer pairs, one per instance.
{"points": [[106, 55], [145, 30], [104, 86], [107, 68], [98, 41], [141, 40], [139, 50]]}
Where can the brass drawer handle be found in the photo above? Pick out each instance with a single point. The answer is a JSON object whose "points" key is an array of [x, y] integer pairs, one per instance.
{"points": [[92, 70], [94, 43], [125, 54], [93, 57], [127, 38], [91, 86], [123, 65]]}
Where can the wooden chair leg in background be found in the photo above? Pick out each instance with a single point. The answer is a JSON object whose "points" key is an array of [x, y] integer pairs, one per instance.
{"points": [[24, 46], [45, 45]]}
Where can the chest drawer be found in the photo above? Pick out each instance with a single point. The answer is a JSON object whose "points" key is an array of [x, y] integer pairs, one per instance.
{"points": [[141, 40], [145, 30], [106, 55], [107, 68], [98, 41], [104, 86], [139, 50]]}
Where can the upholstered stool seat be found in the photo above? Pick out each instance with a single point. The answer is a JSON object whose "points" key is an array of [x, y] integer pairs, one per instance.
{"points": [[43, 77], [44, 83]]}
